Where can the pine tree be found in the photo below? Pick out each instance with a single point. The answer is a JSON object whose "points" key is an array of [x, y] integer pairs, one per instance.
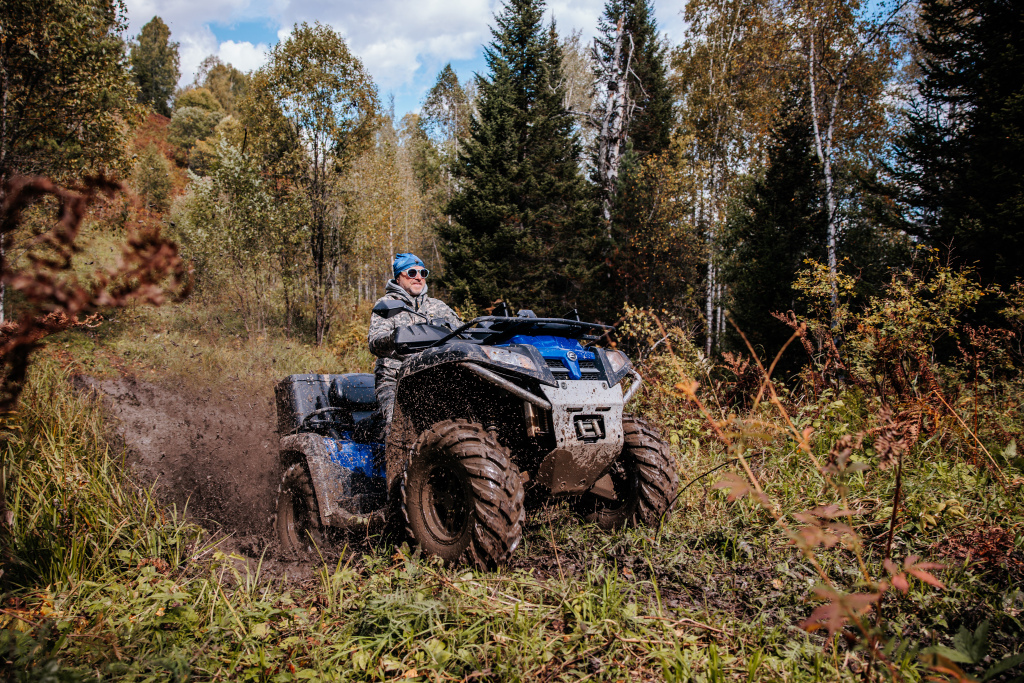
{"points": [[154, 60], [963, 155], [524, 229]]}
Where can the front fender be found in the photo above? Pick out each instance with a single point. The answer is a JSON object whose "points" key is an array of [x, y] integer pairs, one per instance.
{"points": [[461, 352]]}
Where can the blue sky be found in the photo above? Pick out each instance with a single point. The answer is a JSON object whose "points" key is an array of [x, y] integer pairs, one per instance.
{"points": [[402, 43]]}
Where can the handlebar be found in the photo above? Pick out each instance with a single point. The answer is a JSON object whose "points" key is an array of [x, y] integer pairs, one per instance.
{"points": [[515, 323]]}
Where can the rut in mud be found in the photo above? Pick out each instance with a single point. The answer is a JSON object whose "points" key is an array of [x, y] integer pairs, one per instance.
{"points": [[213, 450]]}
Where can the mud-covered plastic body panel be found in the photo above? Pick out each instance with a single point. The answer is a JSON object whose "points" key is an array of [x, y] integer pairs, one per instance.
{"points": [[468, 352], [348, 477], [343, 448]]}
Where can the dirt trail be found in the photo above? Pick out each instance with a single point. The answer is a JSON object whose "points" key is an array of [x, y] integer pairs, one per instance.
{"points": [[214, 450]]}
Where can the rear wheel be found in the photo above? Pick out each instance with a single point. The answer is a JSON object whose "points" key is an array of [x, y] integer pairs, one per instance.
{"points": [[462, 497], [644, 479], [298, 515]]}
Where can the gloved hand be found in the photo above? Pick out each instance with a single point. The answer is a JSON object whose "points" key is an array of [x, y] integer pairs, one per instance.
{"points": [[391, 341]]}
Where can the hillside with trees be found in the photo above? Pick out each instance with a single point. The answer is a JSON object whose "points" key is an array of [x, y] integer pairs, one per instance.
{"points": [[804, 219]]}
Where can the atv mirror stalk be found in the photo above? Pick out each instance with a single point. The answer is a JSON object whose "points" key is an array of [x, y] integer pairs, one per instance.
{"points": [[387, 308]]}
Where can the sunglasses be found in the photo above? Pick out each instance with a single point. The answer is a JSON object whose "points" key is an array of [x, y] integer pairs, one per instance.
{"points": [[413, 273]]}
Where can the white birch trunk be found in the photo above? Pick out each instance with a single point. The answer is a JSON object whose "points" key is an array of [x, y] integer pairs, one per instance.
{"points": [[614, 115], [4, 102], [823, 145], [720, 295]]}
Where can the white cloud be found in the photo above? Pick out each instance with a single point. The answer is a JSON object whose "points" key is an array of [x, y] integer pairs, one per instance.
{"points": [[394, 38], [194, 47], [576, 14], [243, 56]]}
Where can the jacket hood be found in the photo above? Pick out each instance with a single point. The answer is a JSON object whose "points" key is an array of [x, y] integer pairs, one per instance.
{"points": [[393, 289]]}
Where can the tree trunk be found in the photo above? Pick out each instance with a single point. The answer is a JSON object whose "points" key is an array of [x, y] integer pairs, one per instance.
{"points": [[614, 77], [3, 284], [823, 148], [4, 103]]}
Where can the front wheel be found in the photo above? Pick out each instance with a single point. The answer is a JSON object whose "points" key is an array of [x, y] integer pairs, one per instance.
{"points": [[298, 515], [644, 479], [462, 497]]}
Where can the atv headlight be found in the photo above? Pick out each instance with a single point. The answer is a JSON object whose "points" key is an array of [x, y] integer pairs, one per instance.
{"points": [[506, 357], [617, 360]]}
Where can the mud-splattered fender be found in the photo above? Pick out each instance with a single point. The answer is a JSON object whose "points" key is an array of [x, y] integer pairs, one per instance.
{"points": [[332, 480]]}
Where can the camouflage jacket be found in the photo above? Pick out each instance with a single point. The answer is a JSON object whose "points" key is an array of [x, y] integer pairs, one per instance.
{"points": [[379, 337]]}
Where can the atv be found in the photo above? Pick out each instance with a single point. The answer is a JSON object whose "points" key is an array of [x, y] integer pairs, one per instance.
{"points": [[486, 414]]}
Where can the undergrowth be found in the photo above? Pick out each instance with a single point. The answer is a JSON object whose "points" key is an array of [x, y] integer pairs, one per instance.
{"points": [[143, 597]]}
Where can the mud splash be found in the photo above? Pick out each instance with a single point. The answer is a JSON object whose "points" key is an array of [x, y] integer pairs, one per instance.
{"points": [[210, 452]]}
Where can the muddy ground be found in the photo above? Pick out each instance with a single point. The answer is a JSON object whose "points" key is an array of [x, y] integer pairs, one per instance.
{"points": [[210, 452], [216, 452]]}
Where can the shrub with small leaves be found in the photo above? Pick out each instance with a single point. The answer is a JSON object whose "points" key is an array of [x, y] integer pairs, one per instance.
{"points": [[151, 178]]}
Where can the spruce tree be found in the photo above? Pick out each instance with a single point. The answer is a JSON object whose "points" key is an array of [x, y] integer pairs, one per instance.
{"points": [[154, 60], [777, 224], [963, 155], [649, 129], [523, 228]]}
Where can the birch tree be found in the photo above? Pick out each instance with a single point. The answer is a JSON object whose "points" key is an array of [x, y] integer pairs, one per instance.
{"points": [[331, 103], [446, 120], [612, 110], [847, 61], [388, 212], [729, 76], [633, 103]]}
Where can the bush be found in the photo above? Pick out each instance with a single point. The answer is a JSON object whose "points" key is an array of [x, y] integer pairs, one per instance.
{"points": [[188, 126], [198, 97], [75, 517], [151, 178]]}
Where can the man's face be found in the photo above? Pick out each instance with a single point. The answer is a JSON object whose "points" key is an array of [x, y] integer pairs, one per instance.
{"points": [[413, 285]]}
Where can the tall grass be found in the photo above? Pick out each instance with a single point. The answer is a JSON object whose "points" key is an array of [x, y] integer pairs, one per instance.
{"points": [[99, 582], [103, 584], [75, 513]]}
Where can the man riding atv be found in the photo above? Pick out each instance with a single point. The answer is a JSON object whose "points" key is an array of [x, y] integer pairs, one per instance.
{"points": [[409, 287], [478, 414]]}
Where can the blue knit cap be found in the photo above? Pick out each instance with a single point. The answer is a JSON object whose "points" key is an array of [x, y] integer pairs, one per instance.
{"points": [[405, 261]]}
